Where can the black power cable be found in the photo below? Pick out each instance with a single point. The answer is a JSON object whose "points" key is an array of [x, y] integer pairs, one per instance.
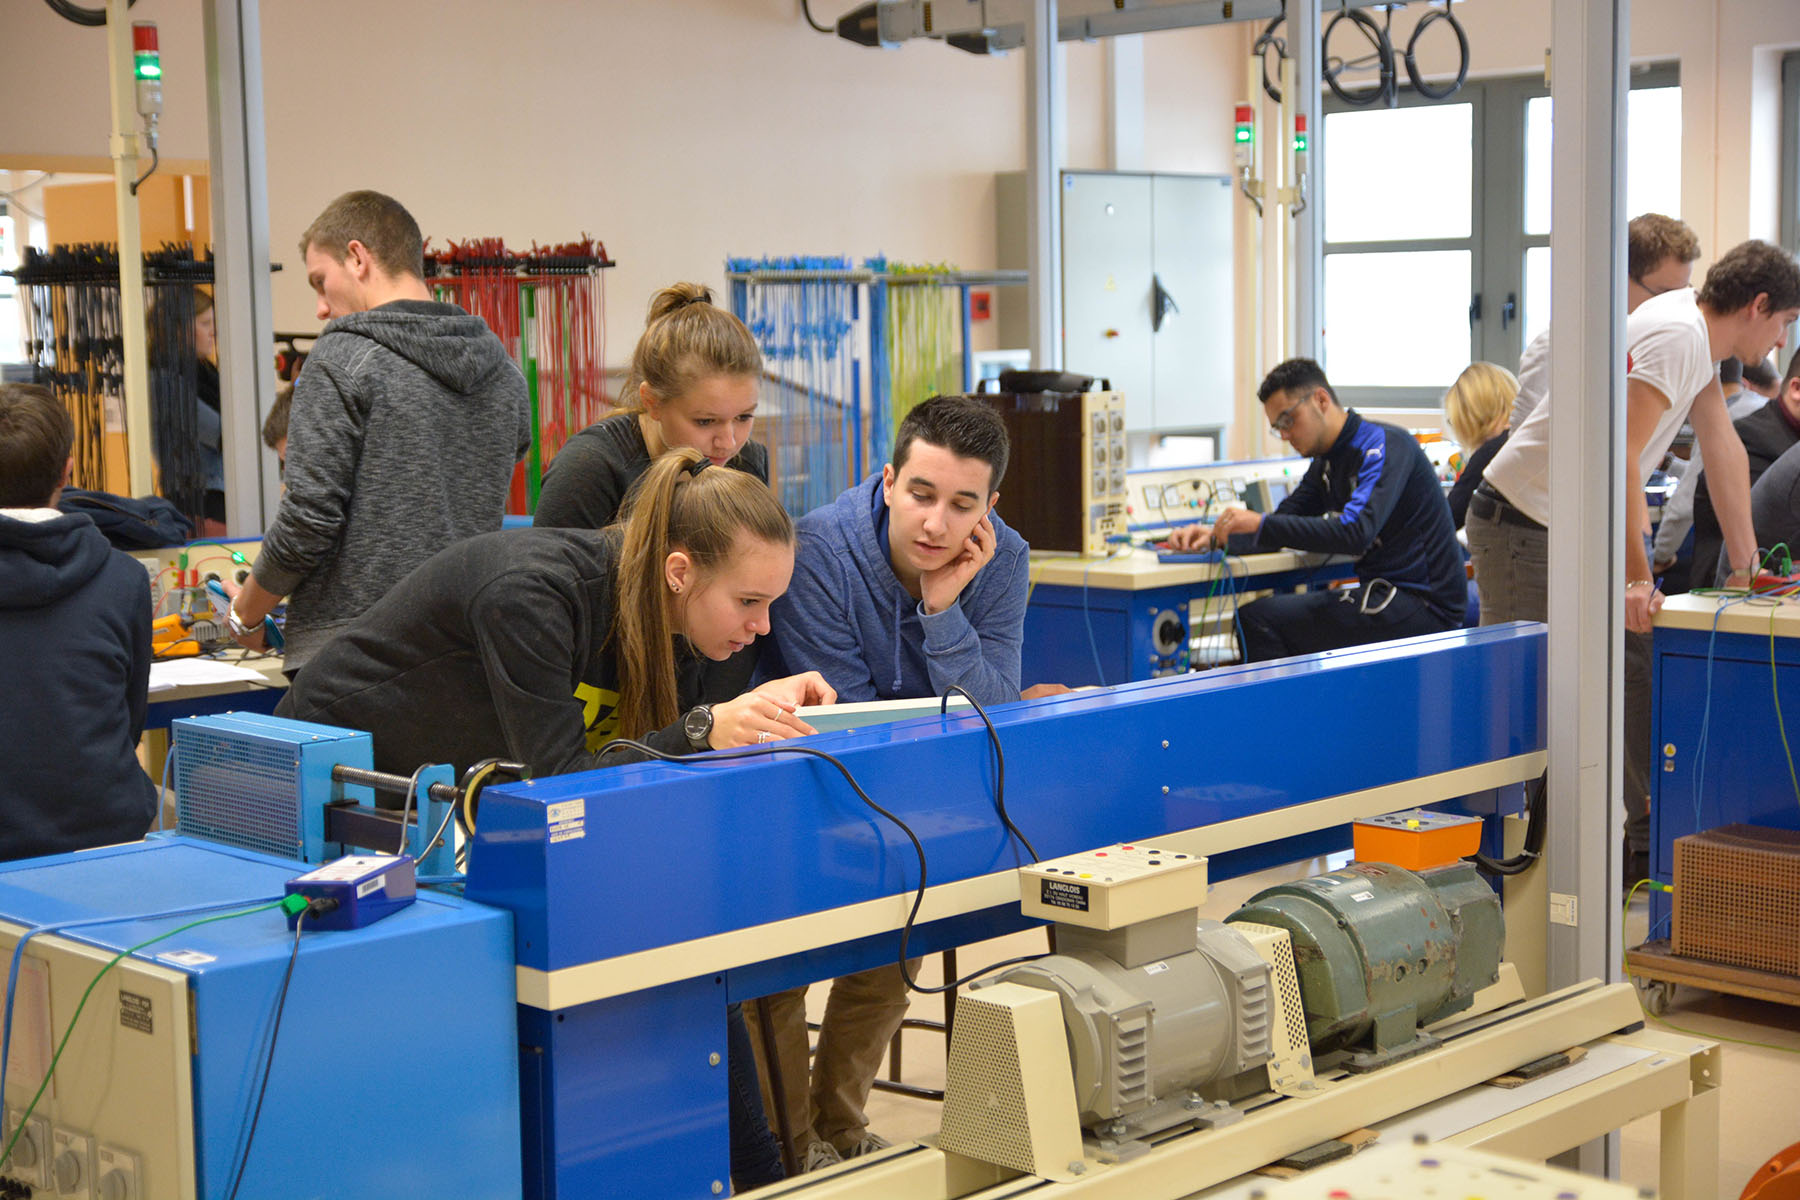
{"points": [[91, 17], [1462, 40], [317, 907], [806, 11], [783, 747], [1261, 49], [999, 765], [1383, 59], [1536, 827]]}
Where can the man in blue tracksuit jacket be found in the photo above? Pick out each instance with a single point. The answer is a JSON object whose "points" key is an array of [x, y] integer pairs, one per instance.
{"points": [[1370, 493], [905, 585]]}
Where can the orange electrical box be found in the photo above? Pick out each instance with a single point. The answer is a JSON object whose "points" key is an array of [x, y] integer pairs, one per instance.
{"points": [[1416, 839]]}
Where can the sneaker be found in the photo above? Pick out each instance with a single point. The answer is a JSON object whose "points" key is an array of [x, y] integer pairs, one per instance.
{"points": [[818, 1156], [871, 1142]]}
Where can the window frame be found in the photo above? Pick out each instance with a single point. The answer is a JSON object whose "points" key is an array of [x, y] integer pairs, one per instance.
{"points": [[1497, 241]]}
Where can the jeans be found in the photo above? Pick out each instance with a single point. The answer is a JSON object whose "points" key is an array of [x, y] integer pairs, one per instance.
{"points": [[1308, 622], [1512, 568], [755, 1154]]}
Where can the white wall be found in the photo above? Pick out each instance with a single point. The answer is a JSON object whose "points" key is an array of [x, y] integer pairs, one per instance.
{"points": [[680, 131], [677, 132]]}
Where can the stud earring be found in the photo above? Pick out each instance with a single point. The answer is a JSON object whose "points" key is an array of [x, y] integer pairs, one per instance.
{"points": [[676, 588]]}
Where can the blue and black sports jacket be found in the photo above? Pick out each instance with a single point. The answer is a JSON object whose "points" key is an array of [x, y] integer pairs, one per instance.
{"points": [[1375, 496]]}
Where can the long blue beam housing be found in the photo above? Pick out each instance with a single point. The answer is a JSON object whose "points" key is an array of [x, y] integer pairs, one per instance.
{"points": [[648, 896]]}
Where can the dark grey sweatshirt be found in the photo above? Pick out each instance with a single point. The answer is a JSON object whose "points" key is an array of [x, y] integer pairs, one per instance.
{"points": [[406, 425]]}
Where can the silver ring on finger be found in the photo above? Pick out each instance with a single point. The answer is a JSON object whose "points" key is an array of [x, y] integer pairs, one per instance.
{"points": [[764, 736]]}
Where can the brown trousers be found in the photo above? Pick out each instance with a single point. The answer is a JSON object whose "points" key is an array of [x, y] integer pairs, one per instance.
{"points": [[825, 1100]]}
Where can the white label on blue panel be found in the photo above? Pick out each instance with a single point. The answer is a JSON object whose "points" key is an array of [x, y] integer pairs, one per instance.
{"points": [[188, 958], [370, 885], [567, 820]]}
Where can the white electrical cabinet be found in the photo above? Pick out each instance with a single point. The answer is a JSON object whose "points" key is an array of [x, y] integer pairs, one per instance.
{"points": [[1147, 289]]}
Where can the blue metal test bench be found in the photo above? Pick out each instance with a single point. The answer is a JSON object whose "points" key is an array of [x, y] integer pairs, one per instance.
{"points": [[648, 896]]}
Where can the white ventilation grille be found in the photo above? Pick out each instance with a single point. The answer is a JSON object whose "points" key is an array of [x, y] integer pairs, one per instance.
{"points": [[984, 1102], [1290, 1061]]}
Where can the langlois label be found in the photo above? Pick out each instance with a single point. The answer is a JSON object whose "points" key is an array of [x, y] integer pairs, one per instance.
{"points": [[1059, 894]]}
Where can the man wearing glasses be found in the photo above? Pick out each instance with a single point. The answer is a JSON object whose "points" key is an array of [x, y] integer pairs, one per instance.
{"points": [[1659, 257], [1370, 493]]}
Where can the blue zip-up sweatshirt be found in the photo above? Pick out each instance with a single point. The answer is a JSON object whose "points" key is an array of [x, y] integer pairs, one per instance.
{"points": [[847, 616], [75, 645], [1375, 496]]}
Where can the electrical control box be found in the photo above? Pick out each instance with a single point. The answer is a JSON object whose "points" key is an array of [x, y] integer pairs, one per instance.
{"points": [[1112, 887], [1065, 488], [153, 1096]]}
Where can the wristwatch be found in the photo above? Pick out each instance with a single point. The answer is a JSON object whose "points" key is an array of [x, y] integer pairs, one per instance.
{"points": [[237, 627], [698, 725]]}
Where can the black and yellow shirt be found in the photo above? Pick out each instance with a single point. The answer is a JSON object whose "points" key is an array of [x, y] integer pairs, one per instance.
{"points": [[498, 646]]}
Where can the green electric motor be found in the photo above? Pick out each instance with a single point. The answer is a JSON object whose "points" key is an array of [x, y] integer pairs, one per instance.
{"points": [[1381, 951]]}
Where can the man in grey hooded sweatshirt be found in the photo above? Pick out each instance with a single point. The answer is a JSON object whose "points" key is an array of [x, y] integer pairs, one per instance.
{"points": [[406, 424]]}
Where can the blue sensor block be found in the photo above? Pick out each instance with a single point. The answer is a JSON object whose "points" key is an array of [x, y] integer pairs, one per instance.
{"points": [[367, 888]]}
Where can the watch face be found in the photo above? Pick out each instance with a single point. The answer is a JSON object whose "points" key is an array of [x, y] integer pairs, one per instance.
{"points": [[698, 724]]}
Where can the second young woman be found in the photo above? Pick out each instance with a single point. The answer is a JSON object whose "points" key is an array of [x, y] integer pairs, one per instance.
{"points": [[693, 385]]}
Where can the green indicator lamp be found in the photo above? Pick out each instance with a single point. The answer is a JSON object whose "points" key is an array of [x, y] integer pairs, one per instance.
{"points": [[1243, 136], [146, 63]]}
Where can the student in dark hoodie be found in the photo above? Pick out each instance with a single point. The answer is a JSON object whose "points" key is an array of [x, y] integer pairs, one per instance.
{"points": [[75, 641], [542, 645], [1370, 493], [905, 585], [490, 648], [407, 421]]}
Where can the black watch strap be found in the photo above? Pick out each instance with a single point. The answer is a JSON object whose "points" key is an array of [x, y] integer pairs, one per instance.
{"points": [[697, 724]]}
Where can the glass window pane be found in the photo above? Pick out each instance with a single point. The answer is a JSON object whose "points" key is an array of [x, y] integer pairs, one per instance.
{"points": [[1653, 152], [1652, 156], [1399, 174], [1397, 320], [1537, 292], [1537, 165]]}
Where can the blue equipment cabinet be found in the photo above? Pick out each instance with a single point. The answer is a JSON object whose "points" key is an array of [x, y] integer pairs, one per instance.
{"points": [[395, 1069], [648, 896], [1718, 736]]}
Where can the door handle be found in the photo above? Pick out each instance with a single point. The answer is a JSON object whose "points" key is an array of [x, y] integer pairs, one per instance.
{"points": [[1475, 310], [1509, 312], [1161, 304]]}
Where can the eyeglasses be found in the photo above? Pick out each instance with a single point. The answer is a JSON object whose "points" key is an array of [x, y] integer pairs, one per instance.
{"points": [[1280, 425]]}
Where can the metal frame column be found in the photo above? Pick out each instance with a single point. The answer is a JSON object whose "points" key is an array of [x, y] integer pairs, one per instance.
{"points": [[1587, 445], [1043, 173], [133, 332], [240, 221], [1307, 267]]}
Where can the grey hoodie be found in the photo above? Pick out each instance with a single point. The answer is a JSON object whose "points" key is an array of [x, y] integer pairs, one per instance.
{"points": [[406, 425]]}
